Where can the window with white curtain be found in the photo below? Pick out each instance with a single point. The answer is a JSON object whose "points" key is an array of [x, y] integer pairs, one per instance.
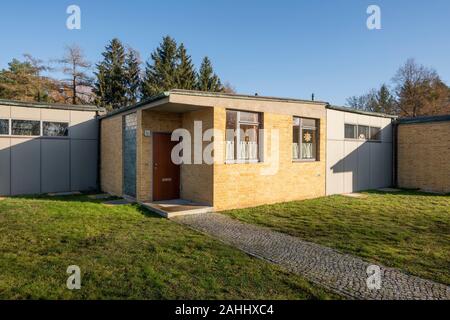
{"points": [[305, 139], [242, 136]]}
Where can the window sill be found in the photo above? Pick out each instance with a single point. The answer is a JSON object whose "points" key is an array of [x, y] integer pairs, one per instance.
{"points": [[362, 140], [304, 160], [242, 161]]}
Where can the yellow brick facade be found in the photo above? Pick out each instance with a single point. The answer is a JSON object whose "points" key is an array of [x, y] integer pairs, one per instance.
{"points": [[111, 155], [423, 156], [197, 179], [277, 178]]}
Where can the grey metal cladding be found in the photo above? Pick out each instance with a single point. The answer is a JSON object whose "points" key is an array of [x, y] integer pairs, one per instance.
{"points": [[5, 169], [55, 155], [83, 161], [26, 167], [87, 129]]}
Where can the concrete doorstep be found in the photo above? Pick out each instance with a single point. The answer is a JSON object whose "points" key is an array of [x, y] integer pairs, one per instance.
{"points": [[175, 208]]}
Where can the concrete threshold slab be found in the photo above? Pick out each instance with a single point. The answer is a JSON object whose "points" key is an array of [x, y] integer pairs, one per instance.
{"points": [[175, 208]]}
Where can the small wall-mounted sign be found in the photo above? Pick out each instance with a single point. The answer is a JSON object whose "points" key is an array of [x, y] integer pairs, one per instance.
{"points": [[147, 133]]}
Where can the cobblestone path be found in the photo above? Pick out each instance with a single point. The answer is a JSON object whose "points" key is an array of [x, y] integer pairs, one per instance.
{"points": [[341, 273]]}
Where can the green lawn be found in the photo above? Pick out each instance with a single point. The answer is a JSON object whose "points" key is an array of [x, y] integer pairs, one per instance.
{"points": [[124, 252], [406, 230]]}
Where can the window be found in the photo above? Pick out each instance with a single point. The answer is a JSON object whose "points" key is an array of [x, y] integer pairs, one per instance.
{"points": [[26, 128], [55, 129], [363, 132], [350, 131], [305, 139], [242, 136], [353, 131], [375, 133], [4, 127]]}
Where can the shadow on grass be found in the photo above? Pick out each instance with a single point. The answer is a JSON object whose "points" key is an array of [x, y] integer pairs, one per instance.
{"points": [[407, 192], [84, 198]]}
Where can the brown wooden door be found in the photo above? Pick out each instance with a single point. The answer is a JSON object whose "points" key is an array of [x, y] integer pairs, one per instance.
{"points": [[166, 174]]}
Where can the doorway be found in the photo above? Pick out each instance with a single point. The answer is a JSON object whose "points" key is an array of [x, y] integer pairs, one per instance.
{"points": [[166, 174]]}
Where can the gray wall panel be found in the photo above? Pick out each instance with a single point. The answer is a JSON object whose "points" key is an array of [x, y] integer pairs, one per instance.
{"points": [[42, 165], [25, 166], [364, 165], [83, 165], [360, 165], [5, 169], [55, 165]]}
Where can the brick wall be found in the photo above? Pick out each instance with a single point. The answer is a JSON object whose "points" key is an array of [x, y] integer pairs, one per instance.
{"points": [[423, 156], [246, 185], [111, 155], [197, 179]]}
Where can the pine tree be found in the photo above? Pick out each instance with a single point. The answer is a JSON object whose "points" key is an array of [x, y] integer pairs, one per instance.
{"points": [[111, 86], [207, 79], [186, 76], [385, 101], [161, 74], [133, 76]]}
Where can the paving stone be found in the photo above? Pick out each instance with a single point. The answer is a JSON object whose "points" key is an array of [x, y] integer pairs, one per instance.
{"points": [[341, 273]]}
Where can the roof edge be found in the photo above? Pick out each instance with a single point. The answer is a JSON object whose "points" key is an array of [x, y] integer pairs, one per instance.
{"points": [[424, 119], [32, 104], [362, 112], [242, 96], [142, 103], [167, 94]]}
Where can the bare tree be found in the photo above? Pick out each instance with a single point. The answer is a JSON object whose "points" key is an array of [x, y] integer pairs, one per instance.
{"points": [[75, 66], [420, 91]]}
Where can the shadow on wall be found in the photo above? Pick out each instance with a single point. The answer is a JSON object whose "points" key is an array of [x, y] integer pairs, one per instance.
{"points": [[36, 165], [360, 164]]}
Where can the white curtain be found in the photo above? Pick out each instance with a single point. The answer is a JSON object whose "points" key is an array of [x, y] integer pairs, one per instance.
{"points": [[229, 151], [307, 151], [248, 150], [295, 151]]}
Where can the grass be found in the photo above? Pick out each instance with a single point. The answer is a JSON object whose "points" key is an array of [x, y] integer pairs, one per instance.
{"points": [[124, 252], [407, 230]]}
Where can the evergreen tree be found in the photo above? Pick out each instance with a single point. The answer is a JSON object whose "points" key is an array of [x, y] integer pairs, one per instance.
{"points": [[161, 74], [385, 101], [207, 79], [133, 76], [186, 76], [111, 84]]}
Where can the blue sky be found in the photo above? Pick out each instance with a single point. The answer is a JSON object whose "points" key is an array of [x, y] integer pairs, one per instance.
{"points": [[279, 48]]}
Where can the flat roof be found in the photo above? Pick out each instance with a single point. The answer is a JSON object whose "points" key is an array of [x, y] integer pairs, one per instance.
{"points": [[367, 113], [29, 104], [194, 93], [424, 119]]}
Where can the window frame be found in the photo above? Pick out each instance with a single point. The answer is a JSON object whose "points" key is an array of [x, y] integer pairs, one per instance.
{"points": [[237, 136], [9, 128], [355, 133], [54, 137], [369, 139], [25, 135], [316, 128]]}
